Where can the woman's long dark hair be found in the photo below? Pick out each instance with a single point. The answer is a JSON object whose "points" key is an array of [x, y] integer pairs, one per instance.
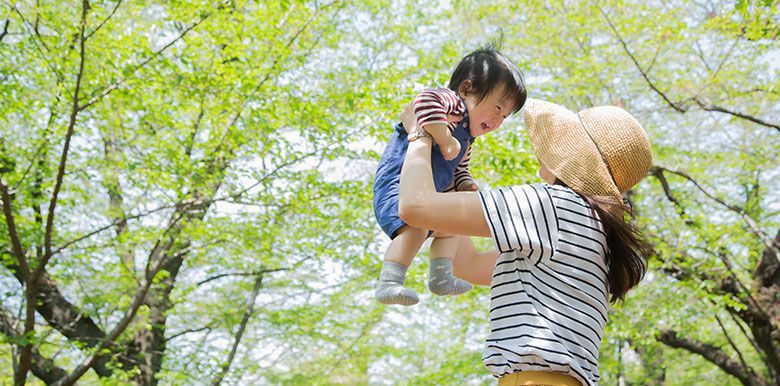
{"points": [[627, 249]]}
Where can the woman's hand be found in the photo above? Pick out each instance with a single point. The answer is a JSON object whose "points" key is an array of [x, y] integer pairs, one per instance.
{"points": [[408, 119]]}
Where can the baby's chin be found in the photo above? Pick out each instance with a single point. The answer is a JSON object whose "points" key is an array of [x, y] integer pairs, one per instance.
{"points": [[477, 130]]}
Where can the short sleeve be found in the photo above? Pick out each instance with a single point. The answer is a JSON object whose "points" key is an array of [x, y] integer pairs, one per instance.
{"points": [[432, 106], [523, 219]]}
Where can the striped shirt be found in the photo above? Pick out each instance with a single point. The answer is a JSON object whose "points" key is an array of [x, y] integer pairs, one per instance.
{"points": [[549, 294], [434, 106]]}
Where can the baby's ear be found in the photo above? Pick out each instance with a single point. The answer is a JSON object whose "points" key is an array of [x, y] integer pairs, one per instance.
{"points": [[465, 87]]}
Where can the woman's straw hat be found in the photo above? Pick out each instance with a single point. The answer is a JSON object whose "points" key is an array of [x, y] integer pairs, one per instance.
{"points": [[601, 151]]}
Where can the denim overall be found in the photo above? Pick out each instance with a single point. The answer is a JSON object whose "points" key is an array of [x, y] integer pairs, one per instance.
{"points": [[388, 173]]}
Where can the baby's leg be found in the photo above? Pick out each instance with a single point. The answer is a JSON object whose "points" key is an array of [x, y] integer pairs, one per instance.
{"points": [[441, 281], [398, 257]]}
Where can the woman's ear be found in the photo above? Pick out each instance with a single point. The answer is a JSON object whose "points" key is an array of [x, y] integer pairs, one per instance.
{"points": [[465, 87]]}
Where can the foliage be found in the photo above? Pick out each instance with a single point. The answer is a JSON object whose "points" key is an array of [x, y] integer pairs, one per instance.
{"points": [[193, 181]]}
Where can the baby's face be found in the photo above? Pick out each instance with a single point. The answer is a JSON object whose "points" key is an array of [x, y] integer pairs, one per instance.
{"points": [[487, 115]]}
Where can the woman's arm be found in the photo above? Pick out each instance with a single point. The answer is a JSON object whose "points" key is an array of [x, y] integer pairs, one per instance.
{"points": [[473, 266], [420, 206]]}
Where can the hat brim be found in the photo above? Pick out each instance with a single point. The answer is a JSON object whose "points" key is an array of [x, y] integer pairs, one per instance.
{"points": [[563, 146]]}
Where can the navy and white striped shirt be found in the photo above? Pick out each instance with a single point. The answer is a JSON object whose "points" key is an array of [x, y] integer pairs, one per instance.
{"points": [[549, 293]]}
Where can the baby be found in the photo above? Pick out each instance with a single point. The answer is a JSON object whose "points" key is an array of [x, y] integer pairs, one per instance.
{"points": [[484, 89]]}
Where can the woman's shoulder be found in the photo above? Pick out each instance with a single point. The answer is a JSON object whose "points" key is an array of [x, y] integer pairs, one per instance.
{"points": [[573, 208], [561, 192], [564, 201], [542, 194], [547, 191], [524, 199]]}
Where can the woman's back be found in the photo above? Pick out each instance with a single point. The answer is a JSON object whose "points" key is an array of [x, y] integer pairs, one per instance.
{"points": [[549, 290]]}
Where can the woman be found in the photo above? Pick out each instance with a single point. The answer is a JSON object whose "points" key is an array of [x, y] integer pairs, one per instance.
{"points": [[563, 248]]}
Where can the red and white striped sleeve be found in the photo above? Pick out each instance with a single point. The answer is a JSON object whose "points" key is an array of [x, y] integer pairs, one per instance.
{"points": [[433, 106], [462, 174]]}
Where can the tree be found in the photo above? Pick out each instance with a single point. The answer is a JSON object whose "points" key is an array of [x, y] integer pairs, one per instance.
{"points": [[164, 166], [185, 187]]}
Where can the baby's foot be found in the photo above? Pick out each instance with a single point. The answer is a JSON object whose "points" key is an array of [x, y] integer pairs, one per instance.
{"points": [[442, 282], [390, 289], [394, 293], [450, 148], [449, 286]]}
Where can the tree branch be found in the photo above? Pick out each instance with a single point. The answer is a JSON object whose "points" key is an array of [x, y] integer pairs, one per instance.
{"points": [[749, 337], [65, 317], [31, 282], [149, 344], [289, 44], [752, 224], [185, 332], [100, 94], [38, 39], [66, 147], [40, 156], [191, 202], [113, 11], [241, 328], [682, 106], [5, 29], [120, 327], [707, 105], [43, 368], [116, 202], [731, 343], [766, 277], [752, 313], [712, 354], [679, 106], [26, 352], [155, 263], [753, 305], [725, 57], [253, 273], [13, 234], [658, 173]]}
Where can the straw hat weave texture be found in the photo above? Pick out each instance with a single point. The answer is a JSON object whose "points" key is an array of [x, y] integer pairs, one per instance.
{"points": [[600, 151]]}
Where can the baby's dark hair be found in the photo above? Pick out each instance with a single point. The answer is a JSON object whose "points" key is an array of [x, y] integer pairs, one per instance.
{"points": [[488, 69]]}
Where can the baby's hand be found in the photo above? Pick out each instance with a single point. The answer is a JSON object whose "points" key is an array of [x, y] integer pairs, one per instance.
{"points": [[469, 186], [450, 149]]}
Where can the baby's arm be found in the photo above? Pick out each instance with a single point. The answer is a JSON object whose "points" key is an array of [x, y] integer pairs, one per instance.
{"points": [[449, 146], [463, 180], [432, 108]]}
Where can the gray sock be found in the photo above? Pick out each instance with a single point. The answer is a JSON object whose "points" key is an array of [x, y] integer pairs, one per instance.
{"points": [[442, 282], [390, 289]]}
